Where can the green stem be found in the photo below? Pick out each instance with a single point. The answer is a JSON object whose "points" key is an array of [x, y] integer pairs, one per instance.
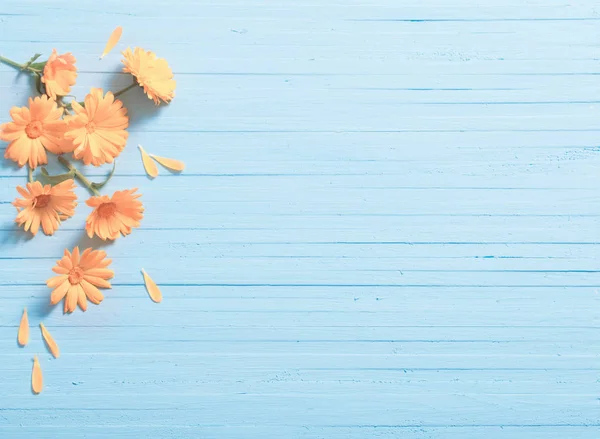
{"points": [[11, 62], [17, 65], [78, 175], [120, 92], [69, 107], [29, 174]]}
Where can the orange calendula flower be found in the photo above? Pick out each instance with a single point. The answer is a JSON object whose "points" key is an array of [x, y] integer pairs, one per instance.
{"points": [[59, 74], [33, 131], [46, 205], [114, 216], [79, 277], [97, 131], [151, 73]]}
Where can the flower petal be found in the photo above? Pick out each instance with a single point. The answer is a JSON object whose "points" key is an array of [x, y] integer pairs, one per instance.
{"points": [[153, 290], [93, 294], [55, 281], [103, 273], [71, 299], [112, 41], [37, 380], [59, 292], [149, 165], [97, 281], [52, 346], [75, 256], [172, 164], [23, 335], [81, 299], [60, 270]]}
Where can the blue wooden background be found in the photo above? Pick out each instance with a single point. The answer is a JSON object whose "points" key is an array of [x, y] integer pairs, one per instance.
{"points": [[388, 225]]}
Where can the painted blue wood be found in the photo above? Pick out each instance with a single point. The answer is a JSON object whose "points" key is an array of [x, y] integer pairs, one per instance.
{"points": [[388, 226]]}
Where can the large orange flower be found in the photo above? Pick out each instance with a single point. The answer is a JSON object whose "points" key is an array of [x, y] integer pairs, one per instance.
{"points": [[33, 131], [45, 205], [59, 74], [98, 129], [114, 216], [150, 72], [79, 277]]}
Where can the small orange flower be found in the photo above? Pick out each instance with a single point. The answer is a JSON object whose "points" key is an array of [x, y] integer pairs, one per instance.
{"points": [[32, 131], [78, 278], [114, 216], [97, 131], [151, 73], [59, 74], [45, 205]]}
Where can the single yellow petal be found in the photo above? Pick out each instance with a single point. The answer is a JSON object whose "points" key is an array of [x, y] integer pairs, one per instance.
{"points": [[153, 290], [112, 41], [149, 165], [52, 346], [71, 300], [81, 298], [172, 164], [23, 336], [37, 381], [59, 292]]}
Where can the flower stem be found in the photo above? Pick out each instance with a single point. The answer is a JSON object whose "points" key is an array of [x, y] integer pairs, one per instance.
{"points": [[69, 107], [11, 63], [120, 92], [78, 175], [17, 65], [29, 174]]}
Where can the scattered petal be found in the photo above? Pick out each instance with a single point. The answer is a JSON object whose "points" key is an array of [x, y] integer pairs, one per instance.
{"points": [[149, 165], [112, 41], [23, 336], [52, 346], [153, 290], [37, 381], [172, 164]]}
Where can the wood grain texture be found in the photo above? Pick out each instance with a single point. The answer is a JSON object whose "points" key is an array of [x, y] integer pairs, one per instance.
{"points": [[388, 225]]}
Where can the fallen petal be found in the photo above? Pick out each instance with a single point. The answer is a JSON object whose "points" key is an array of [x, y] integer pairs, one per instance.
{"points": [[37, 381], [172, 164], [153, 290], [23, 336], [52, 346], [112, 41], [149, 164]]}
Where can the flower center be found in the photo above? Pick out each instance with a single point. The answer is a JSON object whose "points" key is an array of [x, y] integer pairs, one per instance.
{"points": [[90, 127], [34, 129], [42, 201], [75, 275], [107, 209]]}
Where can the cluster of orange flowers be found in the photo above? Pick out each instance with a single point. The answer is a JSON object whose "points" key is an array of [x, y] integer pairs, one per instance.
{"points": [[95, 132]]}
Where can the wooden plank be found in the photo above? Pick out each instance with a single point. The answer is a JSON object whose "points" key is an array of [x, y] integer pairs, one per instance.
{"points": [[387, 225]]}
